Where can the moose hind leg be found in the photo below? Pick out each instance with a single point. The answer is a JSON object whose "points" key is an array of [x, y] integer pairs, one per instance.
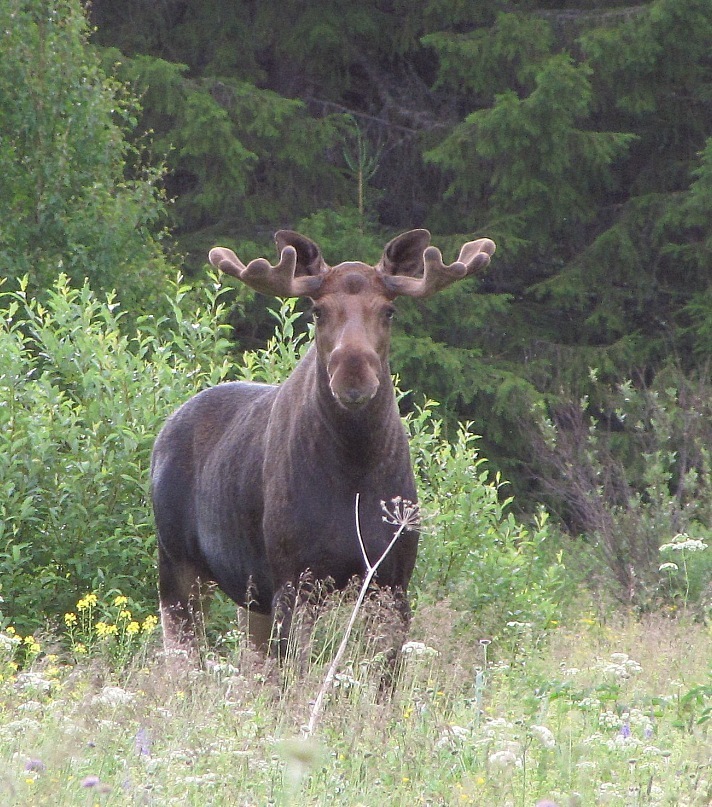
{"points": [[183, 595]]}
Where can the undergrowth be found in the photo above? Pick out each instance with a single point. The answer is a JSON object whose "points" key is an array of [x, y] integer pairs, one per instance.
{"points": [[613, 714]]}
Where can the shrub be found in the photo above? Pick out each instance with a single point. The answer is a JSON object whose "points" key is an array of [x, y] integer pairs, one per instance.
{"points": [[81, 405], [474, 550], [633, 474]]}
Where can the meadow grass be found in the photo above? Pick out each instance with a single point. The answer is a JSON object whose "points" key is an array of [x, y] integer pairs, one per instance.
{"points": [[591, 714]]}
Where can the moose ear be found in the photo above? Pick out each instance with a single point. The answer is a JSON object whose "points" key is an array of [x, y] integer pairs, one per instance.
{"points": [[309, 259], [404, 254]]}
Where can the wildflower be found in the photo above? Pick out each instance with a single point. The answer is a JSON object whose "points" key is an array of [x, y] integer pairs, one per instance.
{"points": [[345, 681], [124, 614], [503, 760], [70, 619], [86, 602], [149, 623], [133, 628], [544, 735], [31, 644], [113, 696], [120, 600], [79, 648], [418, 649], [90, 781], [102, 629], [8, 642], [673, 567], [403, 513], [609, 720], [683, 543], [143, 742]]}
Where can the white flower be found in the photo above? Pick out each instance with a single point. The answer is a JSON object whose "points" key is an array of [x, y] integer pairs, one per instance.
{"points": [[8, 644], [544, 735], [683, 543], [503, 760], [418, 649], [345, 681], [113, 696]]}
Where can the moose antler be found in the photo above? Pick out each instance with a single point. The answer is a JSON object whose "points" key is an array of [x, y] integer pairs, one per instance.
{"points": [[259, 274], [473, 257]]}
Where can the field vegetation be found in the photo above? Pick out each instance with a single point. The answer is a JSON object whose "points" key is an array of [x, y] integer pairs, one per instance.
{"points": [[560, 418]]}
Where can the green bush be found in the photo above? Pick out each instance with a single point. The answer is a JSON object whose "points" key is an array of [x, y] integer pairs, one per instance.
{"points": [[80, 406], [473, 549]]}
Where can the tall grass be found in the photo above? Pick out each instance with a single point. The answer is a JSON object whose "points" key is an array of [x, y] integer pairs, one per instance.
{"points": [[615, 714]]}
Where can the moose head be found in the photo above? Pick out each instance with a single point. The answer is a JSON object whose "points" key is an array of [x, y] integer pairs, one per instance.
{"points": [[352, 301]]}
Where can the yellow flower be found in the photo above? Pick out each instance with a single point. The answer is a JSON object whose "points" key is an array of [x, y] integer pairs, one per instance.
{"points": [[124, 614], [120, 600], [70, 619], [10, 631], [103, 629], [88, 601], [149, 623], [133, 627], [79, 648]]}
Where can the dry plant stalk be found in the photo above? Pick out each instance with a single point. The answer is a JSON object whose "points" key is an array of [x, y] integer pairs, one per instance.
{"points": [[410, 512]]}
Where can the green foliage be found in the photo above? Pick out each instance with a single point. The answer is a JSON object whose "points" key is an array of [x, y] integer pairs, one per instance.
{"points": [[493, 58], [539, 170], [474, 550], [638, 485], [74, 196], [236, 153], [81, 406]]}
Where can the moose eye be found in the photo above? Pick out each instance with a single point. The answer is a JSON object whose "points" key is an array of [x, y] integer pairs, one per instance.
{"points": [[389, 312], [316, 314]]}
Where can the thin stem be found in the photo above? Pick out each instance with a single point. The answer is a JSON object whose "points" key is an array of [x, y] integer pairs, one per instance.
{"points": [[331, 673]]}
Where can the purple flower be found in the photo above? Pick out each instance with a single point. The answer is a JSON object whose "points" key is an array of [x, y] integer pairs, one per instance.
{"points": [[625, 730], [90, 781], [35, 765], [142, 742]]}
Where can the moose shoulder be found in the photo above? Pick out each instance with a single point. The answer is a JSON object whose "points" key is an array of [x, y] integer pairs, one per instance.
{"points": [[253, 485]]}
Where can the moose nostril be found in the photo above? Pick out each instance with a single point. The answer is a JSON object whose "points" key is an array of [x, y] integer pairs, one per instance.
{"points": [[355, 396]]}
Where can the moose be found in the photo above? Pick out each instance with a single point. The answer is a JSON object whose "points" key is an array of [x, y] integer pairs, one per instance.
{"points": [[254, 485]]}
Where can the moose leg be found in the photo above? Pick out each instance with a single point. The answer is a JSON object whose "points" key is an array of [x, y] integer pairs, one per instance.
{"points": [[283, 604], [183, 602], [388, 623], [257, 626]]}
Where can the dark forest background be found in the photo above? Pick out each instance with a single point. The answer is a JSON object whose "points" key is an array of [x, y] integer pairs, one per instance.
{"points": [[136, 135]]}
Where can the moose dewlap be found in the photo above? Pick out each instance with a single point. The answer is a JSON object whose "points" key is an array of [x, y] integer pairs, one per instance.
{"points": [[254, 485]]}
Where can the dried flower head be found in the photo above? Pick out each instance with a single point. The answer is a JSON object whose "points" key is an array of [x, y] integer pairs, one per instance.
{"points": [[401, 513]]}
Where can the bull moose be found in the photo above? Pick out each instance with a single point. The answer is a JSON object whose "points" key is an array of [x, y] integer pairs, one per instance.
{"points": [[254, 484]]}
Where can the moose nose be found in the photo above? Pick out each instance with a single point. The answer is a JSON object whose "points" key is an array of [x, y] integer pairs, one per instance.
{"points": [[354, 398], [353, 376]]}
